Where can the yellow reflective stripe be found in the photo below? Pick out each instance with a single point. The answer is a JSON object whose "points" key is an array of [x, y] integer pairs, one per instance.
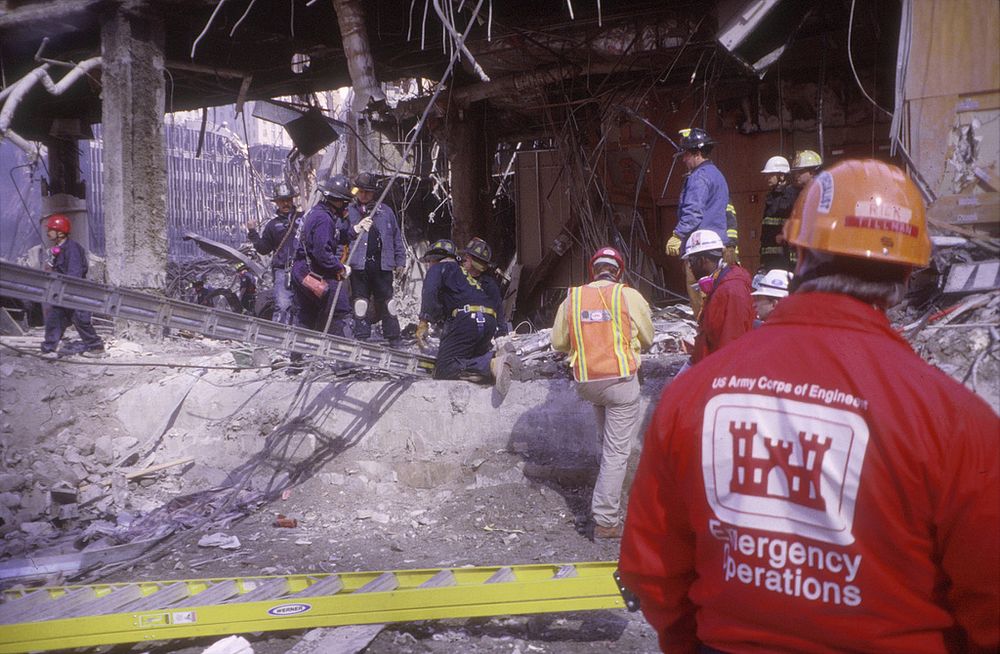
{"points": [[575, 302], [619, 334]]}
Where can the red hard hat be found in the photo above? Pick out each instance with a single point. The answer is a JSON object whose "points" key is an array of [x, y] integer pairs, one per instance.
{"points": [[609, 256], [58, 222]]}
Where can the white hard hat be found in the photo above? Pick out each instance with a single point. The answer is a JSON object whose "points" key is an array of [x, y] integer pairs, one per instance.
{"points": [[702, 240], [774, 284], [776, 165]]}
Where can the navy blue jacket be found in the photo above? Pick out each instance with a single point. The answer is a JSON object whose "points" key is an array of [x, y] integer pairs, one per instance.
{"points": [[69, 258], [393, 251], [274, 231], [448, 287], [703, 203], [322, 240]]}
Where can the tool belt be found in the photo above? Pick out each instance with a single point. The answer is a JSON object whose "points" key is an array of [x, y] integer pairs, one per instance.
{"points": [[474, 308]]}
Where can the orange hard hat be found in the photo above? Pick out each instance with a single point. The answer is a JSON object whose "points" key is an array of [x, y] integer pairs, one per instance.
{"points": [[58, 223], [862, 208]]}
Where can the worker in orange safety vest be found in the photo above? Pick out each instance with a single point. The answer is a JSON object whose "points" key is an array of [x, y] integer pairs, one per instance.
{"points": [[604, 325]]}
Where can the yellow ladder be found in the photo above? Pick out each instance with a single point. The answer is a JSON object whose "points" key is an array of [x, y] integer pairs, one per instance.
{"points": [[106, 614]]}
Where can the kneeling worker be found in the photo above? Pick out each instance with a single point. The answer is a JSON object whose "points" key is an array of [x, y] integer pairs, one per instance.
{"points": [[604, 325], [468, 297]]}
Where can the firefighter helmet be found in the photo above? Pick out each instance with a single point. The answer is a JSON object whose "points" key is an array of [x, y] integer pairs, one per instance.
{"points": [[480, 252], [337, 187], [440, 249], [57, 222], [695, 139], [776, 165], [608, 256], [366, 182], [282, 190], [806, 159], [862, 208], [703, 240], [774, 284]]}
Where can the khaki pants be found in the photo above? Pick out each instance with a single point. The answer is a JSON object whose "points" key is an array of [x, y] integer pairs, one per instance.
{"points": [[616, 407]]}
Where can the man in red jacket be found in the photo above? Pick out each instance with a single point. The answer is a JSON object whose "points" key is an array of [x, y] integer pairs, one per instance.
{"points": [[727, 312], [819, 488]]}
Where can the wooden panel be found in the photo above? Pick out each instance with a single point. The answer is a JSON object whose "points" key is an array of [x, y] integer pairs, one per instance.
{"points": [[953, 49]]}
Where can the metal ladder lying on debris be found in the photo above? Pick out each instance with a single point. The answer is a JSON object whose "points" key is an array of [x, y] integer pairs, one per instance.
{"points": [[51, 288], [105, 614]]}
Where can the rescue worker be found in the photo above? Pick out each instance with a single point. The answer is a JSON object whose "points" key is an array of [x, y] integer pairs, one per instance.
{"points": [[468, 298], [703, 203], [805, 166], [604, 325], [441, 254], [279, 241], [324, 234], [67, 257], [820, 488], [380, 243], [774, 252], [248, 289], [772, 287], [728, 310]]}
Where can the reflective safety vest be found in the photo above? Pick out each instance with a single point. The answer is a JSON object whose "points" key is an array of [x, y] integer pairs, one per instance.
{"points": [[600, 330]]}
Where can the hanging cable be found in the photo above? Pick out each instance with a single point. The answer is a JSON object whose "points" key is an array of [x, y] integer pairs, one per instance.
{"points": [[850, 60]]}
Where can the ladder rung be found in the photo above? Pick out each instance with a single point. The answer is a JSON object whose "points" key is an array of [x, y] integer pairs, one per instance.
{"points": [[66, 603], [385, 581], [502, 575], [161, 599], [265, 590], [216, 593], [328, 586], [110, 603], [11, 611]]}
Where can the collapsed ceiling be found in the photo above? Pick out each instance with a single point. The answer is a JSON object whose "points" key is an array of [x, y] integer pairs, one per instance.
{"points": [[535, 56]]}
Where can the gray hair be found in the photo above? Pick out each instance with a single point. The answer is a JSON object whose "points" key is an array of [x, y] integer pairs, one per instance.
{"points": [[873, 282]]}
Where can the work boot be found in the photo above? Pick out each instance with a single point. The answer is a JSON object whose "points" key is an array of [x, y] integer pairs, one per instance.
{"points": [[95, 352], [49, 354], [614, 531], [502, 368]]}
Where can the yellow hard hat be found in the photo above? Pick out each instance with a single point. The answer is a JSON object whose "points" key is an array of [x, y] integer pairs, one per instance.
{"points": [[862, 208], [806, 159]]}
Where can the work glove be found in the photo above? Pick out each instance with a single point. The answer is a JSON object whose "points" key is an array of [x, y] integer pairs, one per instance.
{"points": [[731, 255], [363, 225], [674, 246], [344, 274], [422, 327]]}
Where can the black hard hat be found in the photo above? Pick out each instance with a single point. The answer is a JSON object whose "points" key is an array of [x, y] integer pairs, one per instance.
{"points": [[695, 139], [366, 182], [480, 251], [440, 249], [282, 190], [336, 187]]}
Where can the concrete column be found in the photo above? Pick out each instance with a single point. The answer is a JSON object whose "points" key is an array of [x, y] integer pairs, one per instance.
{"points": [[469, 155], [135, 177]]}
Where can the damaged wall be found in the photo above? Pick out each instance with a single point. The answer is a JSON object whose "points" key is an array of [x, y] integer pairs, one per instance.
{"points": [[952, 95]]}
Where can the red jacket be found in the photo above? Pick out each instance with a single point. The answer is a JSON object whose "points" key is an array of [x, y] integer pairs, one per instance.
{"points": [[818, 489], [728, 312]]}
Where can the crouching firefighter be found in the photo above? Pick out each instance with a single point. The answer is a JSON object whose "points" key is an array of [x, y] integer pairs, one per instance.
{"points": [[604, 325], [318, 268], [468, 298], [442, 255]]}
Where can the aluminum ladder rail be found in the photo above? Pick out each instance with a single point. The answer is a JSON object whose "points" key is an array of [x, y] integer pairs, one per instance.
{"points": [[105, 614], [35, 285]]}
